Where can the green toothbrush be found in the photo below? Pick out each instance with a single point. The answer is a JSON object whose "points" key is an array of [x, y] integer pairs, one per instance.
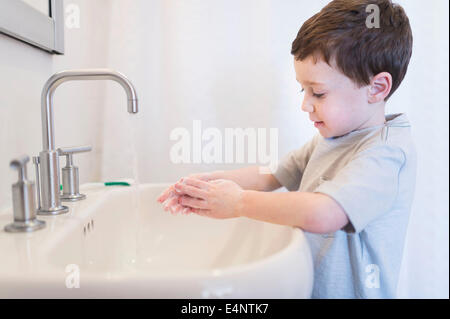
{"points": [[109, 184]]}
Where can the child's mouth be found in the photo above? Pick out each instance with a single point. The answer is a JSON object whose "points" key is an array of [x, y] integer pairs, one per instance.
{"points": [[318, 124]]}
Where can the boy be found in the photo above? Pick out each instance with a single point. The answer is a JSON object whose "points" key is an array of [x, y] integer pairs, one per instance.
{"points": [[351, 187]]}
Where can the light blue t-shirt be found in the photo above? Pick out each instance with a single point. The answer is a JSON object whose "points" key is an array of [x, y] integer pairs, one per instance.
{"points": [[371, 173]]}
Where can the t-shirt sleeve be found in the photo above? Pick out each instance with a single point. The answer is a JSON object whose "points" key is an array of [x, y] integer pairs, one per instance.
{"points": [[367, 186], [290, 169]]}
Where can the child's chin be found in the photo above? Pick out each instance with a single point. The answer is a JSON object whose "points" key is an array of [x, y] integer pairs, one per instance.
{"points": [[325, 134]]}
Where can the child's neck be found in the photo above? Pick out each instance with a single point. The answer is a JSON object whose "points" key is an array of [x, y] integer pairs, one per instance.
{"points": [[378, 118]]}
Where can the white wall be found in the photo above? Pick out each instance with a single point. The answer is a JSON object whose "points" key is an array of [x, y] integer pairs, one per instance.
{"points": [[424, 95], [228, 64], [78, 106]]}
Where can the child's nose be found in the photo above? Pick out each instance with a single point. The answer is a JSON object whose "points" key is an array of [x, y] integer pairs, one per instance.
{"points": [[307, 106]]}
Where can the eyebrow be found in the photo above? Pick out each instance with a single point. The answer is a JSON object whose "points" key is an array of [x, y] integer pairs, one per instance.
{"points": [[311, 82]]}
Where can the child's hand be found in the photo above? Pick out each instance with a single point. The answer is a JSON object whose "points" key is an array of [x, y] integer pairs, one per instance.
{"points": [[217, 199], [168, 192], [169, 198], [202, 176]]}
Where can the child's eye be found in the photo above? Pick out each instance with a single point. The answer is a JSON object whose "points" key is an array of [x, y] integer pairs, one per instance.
{"points": [[303, 90], [318, 95]]}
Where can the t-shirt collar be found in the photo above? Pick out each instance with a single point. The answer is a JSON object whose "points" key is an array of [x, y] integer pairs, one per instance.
{"points": [[397, 119]]}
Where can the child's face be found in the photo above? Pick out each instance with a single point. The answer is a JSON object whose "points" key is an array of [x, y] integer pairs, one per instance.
{"points": [[332, 98]]}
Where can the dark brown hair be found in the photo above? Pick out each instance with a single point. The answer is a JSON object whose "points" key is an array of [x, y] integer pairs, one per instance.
{"points": [[339, 32]]}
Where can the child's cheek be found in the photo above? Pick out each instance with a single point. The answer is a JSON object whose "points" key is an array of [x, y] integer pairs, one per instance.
{"points": [[334, 117]]}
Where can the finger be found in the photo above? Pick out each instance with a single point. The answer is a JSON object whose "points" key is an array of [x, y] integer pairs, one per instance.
{"points": [[170, 202], [169, 198], [191, 191], [193, 202], [216, 181], [176, 208], [164, 203], [165, 194], [201, 212], [195, 182], [184, 210]]}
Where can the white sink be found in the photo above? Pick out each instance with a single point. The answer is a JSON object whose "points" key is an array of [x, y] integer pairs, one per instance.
{"points": [[124, 245]]}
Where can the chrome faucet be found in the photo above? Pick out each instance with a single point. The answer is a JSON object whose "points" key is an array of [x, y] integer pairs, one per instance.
{"points": [[50, 201]]}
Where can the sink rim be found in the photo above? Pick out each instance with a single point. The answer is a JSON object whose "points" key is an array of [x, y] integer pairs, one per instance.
{"points": [[295, 242]]}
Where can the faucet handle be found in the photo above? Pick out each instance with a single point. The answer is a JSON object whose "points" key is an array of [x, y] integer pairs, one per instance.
{"points": [[70, 174], [20, 161], [24, 206], [69, 151], [73, 150], [21, 164]]}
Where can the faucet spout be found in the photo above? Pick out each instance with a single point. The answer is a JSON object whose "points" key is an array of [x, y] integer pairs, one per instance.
{"points": [[48, 136], [48, 158]]}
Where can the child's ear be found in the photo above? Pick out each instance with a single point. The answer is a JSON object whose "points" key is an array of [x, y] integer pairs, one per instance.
{"points": [[380, 86]]}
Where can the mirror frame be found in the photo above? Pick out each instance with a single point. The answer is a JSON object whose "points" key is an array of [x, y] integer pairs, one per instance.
{"points": [[27, 24]]}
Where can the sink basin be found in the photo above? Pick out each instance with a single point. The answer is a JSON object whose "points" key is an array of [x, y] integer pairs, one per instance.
{"points": [[120, 243]]}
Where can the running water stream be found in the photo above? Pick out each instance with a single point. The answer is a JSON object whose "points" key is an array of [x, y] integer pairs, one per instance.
{"points": [[132, 121]]}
